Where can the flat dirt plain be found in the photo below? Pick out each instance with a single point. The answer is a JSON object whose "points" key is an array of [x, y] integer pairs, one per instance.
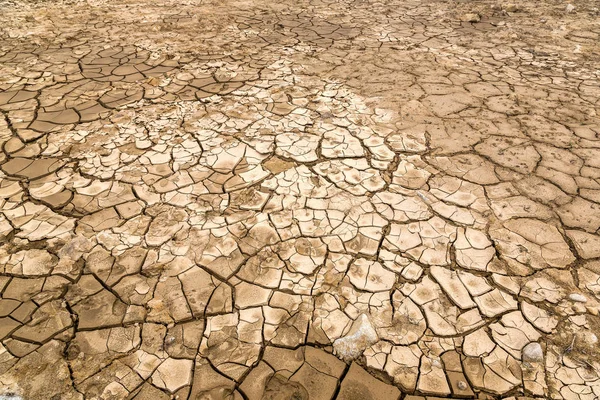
{"points": [[299, 200]]}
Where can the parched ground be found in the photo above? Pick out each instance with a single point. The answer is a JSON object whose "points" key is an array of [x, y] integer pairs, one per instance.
{"points": [[299, 199]]}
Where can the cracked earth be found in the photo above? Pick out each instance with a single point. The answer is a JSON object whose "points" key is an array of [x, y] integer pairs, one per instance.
{"points": [[299, 200]]}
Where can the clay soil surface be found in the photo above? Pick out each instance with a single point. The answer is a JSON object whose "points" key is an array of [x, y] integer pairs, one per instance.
{"points": [[299, 200]]}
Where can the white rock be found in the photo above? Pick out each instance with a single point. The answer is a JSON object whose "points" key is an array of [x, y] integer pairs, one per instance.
{"points": [[569, 8], [361, 335], [533, 352], [10, 396], [577, 297]]}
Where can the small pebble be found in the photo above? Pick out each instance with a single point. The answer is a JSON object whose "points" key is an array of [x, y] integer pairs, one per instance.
{"points": [[533, 352], [577, 297], [569, 8], [471, 17]]}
